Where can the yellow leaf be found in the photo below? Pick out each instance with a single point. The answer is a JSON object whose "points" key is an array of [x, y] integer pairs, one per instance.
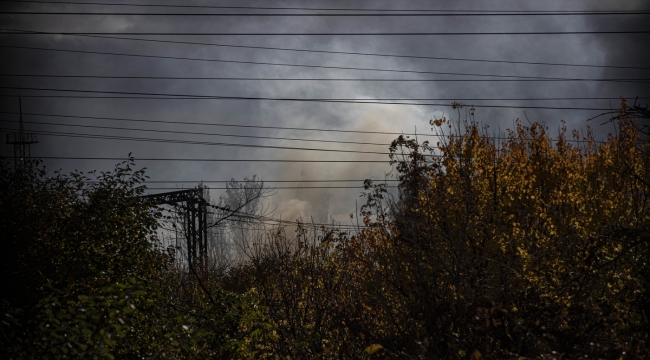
{"points": [[373, 348]]}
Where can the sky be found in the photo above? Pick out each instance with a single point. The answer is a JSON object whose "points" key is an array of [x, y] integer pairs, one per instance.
{"points": [[607, 52]]}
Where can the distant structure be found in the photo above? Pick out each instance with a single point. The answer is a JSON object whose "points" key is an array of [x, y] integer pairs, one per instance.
{"points": [[21, 142], [193, 204]]}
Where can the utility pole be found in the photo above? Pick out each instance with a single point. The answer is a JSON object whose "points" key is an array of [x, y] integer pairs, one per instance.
{"points": [[21, 141]]}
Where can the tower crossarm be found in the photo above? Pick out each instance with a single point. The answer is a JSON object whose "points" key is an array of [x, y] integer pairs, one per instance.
{"points": [[175, 197], [21, 138]]}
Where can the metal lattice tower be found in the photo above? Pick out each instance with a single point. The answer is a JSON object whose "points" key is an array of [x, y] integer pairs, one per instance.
{"points": [[21, 141], [194, 203]]}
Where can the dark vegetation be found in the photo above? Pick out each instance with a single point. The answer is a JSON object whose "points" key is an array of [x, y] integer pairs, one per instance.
{"points": [[530, 247]]}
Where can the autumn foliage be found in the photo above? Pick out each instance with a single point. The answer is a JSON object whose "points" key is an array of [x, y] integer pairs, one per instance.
{"points": [[537, 246], [520, 246]]}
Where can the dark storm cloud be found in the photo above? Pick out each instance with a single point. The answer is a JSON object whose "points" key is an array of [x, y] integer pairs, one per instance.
{"points": [[588, 49], [630, 50]]}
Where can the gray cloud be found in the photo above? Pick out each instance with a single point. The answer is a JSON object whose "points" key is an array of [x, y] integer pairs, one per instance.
{"points": [[321, 204]]}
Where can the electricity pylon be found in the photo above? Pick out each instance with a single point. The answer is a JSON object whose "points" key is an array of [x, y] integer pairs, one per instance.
{"points": [[21, 142]]}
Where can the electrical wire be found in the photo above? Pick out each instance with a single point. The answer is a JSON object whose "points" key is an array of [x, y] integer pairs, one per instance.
{"points": [[276, 188], [423, 14], [204, 160], [319, 51], [212, 124], [172, 141], [280, 7], [246, 126], [421, 72], [306, 100], [267, 218], [461, 33], [219, 134], [201, 133], [510, 77], [280, 222], [357, 99], [159, 96], [263, 181]]}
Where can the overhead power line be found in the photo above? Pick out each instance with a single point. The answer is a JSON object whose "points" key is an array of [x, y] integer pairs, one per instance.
{"points": [[242, 136], [329, 67], [264, 181], [142, 95], [460, 33], [510, 77], [319, 51], [190, 142], [267, 220], [357, 14], [275, 187], [270, 7], [193, 142], [607, 111], [466, 99], [248, 126], [207, 160], [204, 133], [67, 116]]}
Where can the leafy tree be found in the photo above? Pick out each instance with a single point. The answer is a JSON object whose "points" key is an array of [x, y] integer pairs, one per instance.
{"points": [[87, 276], [531, 248], [72, 232], [304, 283]]}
